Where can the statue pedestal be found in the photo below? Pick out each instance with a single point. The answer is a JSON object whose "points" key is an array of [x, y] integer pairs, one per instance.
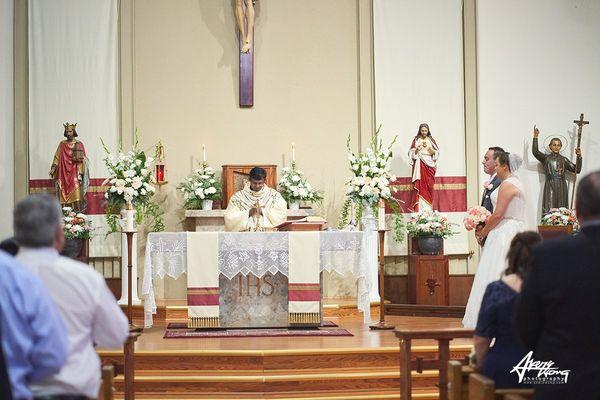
{"points": [[214, 220]]}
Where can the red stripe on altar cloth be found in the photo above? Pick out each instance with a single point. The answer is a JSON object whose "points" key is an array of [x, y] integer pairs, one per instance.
{"points": [[304, 295], [96, 203], [203, 299], [449, 194]]}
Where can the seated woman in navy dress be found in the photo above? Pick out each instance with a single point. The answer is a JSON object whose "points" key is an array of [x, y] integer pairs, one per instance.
{"points": [[496, 316]]}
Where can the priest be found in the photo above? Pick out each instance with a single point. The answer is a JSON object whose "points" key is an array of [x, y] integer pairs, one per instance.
{"points": [[256, 207]]}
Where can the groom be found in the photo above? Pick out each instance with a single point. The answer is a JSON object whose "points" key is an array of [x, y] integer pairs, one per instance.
{"points": [[489, 167]]}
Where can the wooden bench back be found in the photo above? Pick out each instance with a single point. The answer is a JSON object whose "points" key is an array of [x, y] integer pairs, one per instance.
{"points": [[483, 388]]}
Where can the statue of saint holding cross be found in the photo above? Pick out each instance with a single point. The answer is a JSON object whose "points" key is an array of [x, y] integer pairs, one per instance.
{"points": [[555, 166]]}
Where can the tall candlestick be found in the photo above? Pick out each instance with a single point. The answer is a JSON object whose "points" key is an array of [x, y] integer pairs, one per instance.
{"points": [[293, 153], [381, 215], [203, 153]]}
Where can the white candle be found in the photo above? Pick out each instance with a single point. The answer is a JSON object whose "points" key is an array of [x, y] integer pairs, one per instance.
{"points": [[293, 153], [203, 153], [381, 216]]}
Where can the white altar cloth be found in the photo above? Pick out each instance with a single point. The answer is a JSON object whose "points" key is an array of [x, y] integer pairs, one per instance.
{"points": [[257, 253]]}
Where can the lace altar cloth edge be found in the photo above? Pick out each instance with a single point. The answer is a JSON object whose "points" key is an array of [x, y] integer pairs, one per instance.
{"points": [[257, 254]]}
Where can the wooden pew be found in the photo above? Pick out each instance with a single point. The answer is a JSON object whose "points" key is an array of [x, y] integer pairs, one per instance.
{"points": [[458, 380], [107, 385], [483, 388], [443, 337]]}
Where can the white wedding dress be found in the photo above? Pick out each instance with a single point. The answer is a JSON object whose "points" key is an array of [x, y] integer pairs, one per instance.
{"points": [[492, 262]]}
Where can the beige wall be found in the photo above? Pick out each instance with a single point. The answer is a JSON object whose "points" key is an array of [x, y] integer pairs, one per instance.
{"points": [[185, 88]]}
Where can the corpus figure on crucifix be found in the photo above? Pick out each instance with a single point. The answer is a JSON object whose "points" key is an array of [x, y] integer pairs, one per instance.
{"points": [[256, 207], [555, 166], [245, 23], [70, 170], [423, 155]]}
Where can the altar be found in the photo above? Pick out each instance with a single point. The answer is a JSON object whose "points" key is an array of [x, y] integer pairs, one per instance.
{"points": [[255, 279]]}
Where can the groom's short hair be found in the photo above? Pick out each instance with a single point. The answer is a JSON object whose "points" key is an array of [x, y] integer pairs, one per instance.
{"points": [[497, 150]]}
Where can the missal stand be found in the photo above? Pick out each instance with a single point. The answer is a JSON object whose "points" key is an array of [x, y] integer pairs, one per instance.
{"points": [[381, 325], [304, 224]]}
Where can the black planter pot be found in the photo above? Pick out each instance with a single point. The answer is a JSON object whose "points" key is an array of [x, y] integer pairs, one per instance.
{"points": [[431, 245], [72, 248]]}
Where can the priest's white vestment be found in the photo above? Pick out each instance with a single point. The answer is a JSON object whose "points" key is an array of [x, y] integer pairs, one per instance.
{"points": [[237, 214]]}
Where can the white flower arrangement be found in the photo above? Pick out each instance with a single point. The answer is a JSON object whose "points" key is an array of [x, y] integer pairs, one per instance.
{"points": [[370, 182], [76, 225], [293, 186], [371, 173], [130, 182], [430, 223], [201, 185]]}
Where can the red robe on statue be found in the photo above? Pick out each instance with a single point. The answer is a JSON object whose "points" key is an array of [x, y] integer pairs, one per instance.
{"points": [[424, 168], [70, 168]]}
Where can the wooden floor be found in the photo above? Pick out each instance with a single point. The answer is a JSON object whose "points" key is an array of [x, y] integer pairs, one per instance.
{"points": [[364, 338], [363, 366]]}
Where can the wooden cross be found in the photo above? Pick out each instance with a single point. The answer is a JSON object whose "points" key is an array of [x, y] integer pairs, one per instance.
{"points": [[580, 124]]}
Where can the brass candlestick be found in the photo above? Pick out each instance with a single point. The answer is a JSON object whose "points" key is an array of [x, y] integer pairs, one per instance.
{"points": [[381, 325]]}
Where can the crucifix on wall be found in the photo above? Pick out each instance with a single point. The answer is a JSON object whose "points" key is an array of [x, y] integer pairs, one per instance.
{"points": [[244, 16]]}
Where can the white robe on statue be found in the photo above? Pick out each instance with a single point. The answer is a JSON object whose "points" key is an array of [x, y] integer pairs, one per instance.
{"points": [[274, 210]]}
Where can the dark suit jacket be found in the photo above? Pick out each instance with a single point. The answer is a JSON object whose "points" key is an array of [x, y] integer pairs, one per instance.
{"points": [[558, 316], [486, 201]]}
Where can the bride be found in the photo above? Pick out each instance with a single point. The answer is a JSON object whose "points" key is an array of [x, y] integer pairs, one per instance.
{"points": [[508, 219]]}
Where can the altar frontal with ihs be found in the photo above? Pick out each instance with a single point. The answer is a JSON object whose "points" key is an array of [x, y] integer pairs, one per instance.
{"points": [[253, 279]]}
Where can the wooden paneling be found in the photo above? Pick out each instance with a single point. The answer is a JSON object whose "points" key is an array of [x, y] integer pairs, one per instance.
{"points": [[460, 287], [395, 289]]}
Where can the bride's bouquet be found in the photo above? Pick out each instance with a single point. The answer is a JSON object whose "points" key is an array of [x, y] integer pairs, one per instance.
{"points": [[476, 218]]}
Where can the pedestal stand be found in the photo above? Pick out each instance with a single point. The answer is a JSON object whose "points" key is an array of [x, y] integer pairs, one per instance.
{"points": [[132, 327], [381, 325]]}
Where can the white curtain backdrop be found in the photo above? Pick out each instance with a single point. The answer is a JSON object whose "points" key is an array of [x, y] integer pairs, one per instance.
{"points": [[419, 78], [538, 63], [72, 77], [7, 188]]}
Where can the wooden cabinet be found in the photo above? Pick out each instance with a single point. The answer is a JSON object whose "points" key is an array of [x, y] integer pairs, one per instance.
{"points": [[428, 282], [234, 176]]}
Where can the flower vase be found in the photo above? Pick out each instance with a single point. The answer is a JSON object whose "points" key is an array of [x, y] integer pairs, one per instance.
{"points": [[294, 205], [431, 245], [207, 205], [72, 248], [128, 218]]}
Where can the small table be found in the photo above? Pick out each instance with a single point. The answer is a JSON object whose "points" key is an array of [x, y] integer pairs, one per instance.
{"points": [[443, 336]]}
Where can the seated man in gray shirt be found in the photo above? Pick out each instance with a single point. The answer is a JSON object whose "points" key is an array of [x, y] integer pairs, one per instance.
{"points": [[85, 303]]}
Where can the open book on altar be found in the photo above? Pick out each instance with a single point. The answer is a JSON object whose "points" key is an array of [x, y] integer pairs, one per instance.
{"points": [[309, 223]]}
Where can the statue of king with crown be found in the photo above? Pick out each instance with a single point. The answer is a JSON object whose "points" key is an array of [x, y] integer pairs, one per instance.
{"points": [[70, 170]]}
